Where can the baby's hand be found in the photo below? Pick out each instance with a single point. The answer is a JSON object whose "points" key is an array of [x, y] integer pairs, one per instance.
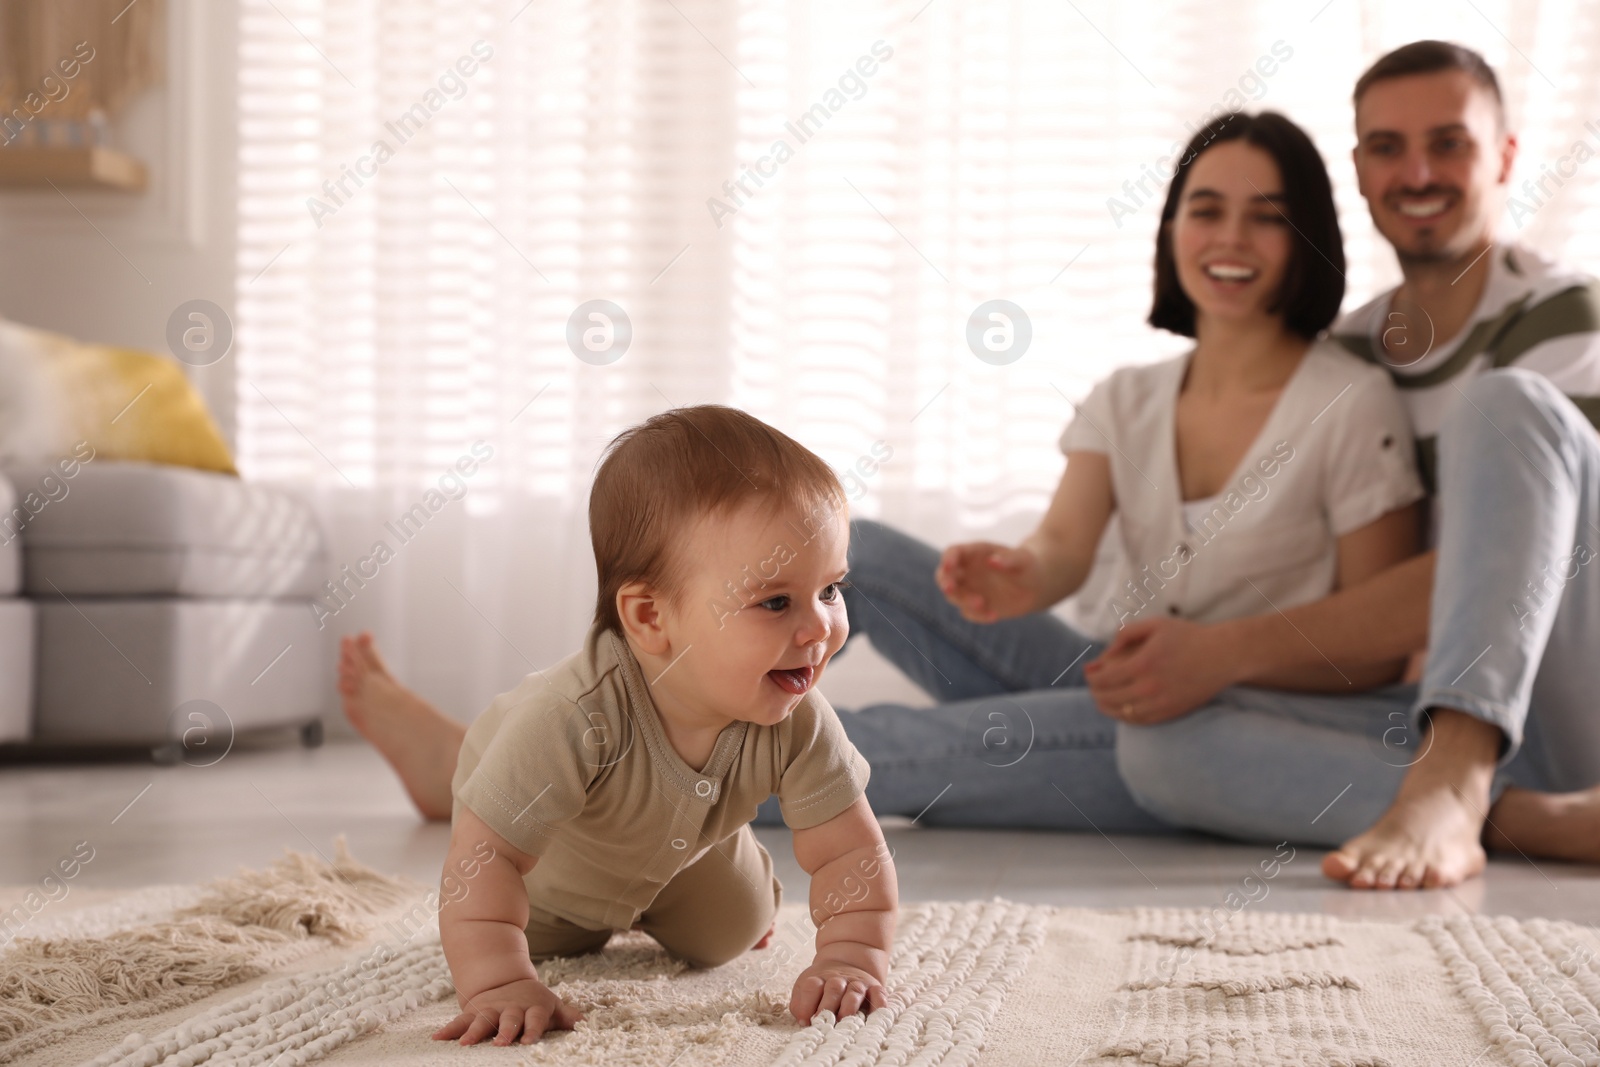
{"points": [[527, 1007], [836, 987]]}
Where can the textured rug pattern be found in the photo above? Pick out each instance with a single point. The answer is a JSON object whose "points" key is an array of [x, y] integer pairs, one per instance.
{"points": [[1533, 986], [122, 962], [1278, 990], [310, 964], [301, 1019], [951, 969]]}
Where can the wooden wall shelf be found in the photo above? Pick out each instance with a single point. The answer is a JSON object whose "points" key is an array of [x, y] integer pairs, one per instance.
{"points": [[97, 168]]}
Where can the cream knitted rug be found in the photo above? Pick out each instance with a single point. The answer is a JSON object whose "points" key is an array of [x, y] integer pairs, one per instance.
{"points": [[304, 964]]}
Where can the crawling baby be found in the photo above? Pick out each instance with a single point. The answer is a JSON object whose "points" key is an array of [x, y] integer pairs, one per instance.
{"points": [[615, 789]]}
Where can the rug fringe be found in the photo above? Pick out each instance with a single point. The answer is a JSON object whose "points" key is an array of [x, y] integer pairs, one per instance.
{"points": [[49, 986], [304, 895]]}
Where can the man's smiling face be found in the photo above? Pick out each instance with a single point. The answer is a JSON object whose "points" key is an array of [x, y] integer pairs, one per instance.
{"points": [[1432, 159]]}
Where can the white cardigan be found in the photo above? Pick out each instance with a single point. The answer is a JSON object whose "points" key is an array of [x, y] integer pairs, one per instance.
{"points": [[1335, 454]]}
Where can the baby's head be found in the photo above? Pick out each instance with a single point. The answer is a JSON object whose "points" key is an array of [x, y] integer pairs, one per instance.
{"points": [[720, 545]]}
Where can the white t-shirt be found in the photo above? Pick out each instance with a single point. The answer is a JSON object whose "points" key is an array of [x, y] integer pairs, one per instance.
{"points": [[1334, 455]]}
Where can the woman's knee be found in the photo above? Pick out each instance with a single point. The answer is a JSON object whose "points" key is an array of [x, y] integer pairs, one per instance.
{"points": [[1154, 762]]}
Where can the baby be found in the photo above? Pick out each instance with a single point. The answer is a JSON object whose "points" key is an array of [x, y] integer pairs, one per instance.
{"points": [[615, 789]]}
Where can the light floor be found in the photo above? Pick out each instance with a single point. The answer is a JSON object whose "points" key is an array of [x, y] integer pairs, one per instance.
{"points": [[150, 824]]}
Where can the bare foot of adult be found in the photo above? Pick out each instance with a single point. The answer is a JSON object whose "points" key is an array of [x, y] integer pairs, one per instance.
{"points": [[419, 741], [1429, 837], [1559, 826]]}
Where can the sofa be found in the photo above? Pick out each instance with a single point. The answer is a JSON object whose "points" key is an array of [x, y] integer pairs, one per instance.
{"points": [[156, 606], [16, 633]]}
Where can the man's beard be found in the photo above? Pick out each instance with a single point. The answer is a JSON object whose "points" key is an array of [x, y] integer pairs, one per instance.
{"points": [[1426, 248], [1428, 254]]}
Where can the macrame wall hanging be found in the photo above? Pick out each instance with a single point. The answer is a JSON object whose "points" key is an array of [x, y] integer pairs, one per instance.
{"points": [[66, 68]]}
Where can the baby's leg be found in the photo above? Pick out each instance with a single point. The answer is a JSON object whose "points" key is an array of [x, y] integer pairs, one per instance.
{"points": [[550, 936], [720, 906]]}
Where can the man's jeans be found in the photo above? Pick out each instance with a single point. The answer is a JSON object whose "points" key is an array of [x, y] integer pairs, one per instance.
{"points": [[1016, 740], [1514, 641]]}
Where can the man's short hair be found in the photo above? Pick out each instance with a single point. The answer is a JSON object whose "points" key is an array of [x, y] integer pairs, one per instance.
{"points": [[1313, 283], [1431, 57], [658, 478]]}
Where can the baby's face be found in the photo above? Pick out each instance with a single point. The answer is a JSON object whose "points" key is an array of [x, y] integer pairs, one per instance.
{"points": [[761, 611]]}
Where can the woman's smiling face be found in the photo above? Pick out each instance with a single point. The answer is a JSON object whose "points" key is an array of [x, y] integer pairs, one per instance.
{"points": [[1231, 238]]}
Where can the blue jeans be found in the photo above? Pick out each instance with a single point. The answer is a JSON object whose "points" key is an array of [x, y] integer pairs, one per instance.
{"points": [[1015, 739], [1514, 641]]}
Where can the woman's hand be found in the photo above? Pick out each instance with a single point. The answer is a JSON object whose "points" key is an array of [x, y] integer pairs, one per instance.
{"points": [[527, 1007], [1158, 670], [989, 582]]}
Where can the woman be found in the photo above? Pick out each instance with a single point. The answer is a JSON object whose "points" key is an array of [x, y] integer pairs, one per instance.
{"points": [[1262, 467]]}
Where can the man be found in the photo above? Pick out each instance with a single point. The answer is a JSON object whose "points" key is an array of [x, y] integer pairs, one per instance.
{"points": [[1497, 355]]}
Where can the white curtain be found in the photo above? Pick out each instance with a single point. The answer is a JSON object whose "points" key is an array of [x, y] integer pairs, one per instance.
{"points": [[430, 188]]}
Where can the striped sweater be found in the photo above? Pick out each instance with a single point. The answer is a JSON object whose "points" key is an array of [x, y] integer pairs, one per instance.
{"points": [[1533, 314]]}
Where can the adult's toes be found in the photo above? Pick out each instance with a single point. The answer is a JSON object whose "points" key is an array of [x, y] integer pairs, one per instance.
{"points": [[1340, 865], [1411, 874], [369, 652], [1389, 870], [1366, 875], [1452, 872]]}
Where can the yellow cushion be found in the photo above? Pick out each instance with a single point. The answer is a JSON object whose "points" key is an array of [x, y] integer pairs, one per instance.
{"points": [[131, 405]]}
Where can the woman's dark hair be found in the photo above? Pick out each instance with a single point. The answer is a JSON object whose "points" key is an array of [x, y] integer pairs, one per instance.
{"points": [[1313, 283]]}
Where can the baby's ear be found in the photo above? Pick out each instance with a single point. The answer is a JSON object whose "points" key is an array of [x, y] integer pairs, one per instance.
{"points": [[640, 609]]}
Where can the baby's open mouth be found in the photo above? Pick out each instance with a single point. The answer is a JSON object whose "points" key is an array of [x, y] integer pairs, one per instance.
{"points": [[796, 680]]}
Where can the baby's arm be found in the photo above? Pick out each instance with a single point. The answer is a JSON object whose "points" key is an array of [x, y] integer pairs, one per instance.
{"points": [[496, 984], [854, 898]]}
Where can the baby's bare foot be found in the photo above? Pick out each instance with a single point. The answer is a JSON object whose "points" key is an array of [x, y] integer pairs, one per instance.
{"points": [[419, 741], [1560, 826]]}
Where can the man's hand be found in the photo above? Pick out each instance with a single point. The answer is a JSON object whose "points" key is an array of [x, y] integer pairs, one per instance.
{"points": [[827, 985], [989, 582], [1159, 669], [526, 1007]]}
